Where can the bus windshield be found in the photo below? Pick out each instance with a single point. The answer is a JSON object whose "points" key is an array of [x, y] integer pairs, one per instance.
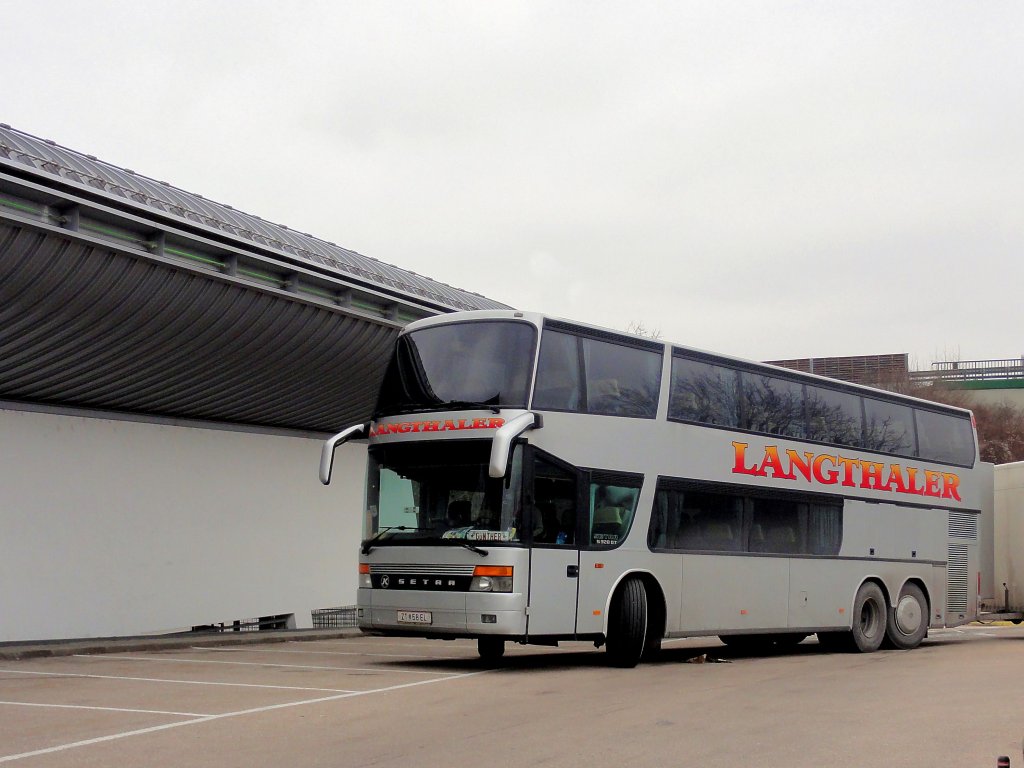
{"points": [[486, 363], [440, 493]]}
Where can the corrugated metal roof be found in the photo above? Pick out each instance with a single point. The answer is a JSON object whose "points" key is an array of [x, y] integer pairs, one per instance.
{"points": [[88, 327], [120, 293], [85, 171]]}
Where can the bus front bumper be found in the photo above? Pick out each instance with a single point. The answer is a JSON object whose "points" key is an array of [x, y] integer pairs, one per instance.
{"points": [[465, 614]]}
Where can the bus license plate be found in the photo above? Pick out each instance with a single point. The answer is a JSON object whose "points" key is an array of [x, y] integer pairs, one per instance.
{"points": [[414, 617]]}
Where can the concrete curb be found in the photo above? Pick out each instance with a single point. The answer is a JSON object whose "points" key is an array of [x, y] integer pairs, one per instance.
{"points": [[34, 650]]}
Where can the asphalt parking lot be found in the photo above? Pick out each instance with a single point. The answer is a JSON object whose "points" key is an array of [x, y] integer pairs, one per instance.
{"points": [[357, 701]]}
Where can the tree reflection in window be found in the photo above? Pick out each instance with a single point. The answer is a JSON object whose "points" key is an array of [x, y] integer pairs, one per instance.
{"points": [[833, 416], [585, 375], [621, 380], [705, 393], [889, 427], [773, 405]]}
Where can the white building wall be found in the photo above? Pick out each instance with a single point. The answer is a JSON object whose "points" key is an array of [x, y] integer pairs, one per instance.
{"points": [[1009, 533], [112, 527]]}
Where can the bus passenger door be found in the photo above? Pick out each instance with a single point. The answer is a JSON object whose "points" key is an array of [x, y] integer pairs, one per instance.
{"points": [[555, 555]]}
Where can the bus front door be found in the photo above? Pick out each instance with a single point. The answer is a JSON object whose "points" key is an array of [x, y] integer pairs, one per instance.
{"points": [[555, 555]]}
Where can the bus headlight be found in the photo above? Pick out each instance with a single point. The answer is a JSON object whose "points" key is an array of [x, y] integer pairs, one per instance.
{"points": [[491, 578], [364, 576]]}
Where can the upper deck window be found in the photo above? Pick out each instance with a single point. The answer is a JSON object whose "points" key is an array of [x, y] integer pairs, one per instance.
{"points": [[773, 405], [747, 397], [945, 438], [889, 427], [585, 374], [460, 365], [705, 393], [834, 416]]}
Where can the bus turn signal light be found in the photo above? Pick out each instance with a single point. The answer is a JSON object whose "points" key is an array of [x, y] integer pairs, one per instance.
{"points": [[364, 576], [493, 570], [491, 578]]}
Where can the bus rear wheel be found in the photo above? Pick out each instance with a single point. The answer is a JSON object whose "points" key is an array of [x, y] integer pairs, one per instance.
{"points": [[490, 648], [908, 619], [870, 618], [627, 624]]}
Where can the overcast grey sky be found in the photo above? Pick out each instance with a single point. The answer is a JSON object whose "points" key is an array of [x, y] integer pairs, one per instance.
{"points": [[766, 179]]}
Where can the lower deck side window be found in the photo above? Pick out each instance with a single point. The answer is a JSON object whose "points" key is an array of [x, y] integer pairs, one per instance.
{"points": [[690, 517]]}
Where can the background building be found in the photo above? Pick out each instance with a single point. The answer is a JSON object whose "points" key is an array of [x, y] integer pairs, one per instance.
{"points": [[888, 371], [168, 369]]}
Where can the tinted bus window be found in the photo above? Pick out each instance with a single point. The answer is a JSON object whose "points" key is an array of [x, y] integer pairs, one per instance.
{"points": [[824, 528], [450, 365], [775, 527], [617, 379], [786, 527], [612, 505], [696, 520], [705, 393], [558, 374], [621, 380], [709, 520], [945, 437], [889, 427], [833, 416], [773, 405]]}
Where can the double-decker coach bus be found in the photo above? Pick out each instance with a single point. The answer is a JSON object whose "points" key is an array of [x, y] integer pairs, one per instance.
{"points": [[535, 480]]}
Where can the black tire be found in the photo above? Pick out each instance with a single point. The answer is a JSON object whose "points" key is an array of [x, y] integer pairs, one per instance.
{"points": [[908, 619], [652, 645], [490, 648], [627, 624], [870, 618]]}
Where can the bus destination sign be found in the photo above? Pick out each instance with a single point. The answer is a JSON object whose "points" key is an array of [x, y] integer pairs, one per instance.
{"points": [[434, 425]]}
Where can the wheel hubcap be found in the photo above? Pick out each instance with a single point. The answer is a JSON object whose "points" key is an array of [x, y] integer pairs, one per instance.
{"points": [[869, 615], [908, 615]]}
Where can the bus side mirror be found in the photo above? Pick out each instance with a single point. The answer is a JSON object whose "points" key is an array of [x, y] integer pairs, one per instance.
{"points": [[331, 445], [505, 436]]}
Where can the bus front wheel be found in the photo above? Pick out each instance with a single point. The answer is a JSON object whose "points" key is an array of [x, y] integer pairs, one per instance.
{"points": [[490, 648], [627, 624]]}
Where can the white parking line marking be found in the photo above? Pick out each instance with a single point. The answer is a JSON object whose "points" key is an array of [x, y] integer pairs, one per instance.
{"points": [[264, 664], [103, 709], [181, 682], [334, 653], [208, 718], [467, 644]]}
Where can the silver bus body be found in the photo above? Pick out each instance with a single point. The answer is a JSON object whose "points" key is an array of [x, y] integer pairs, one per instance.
{"points": [[908, 525]]}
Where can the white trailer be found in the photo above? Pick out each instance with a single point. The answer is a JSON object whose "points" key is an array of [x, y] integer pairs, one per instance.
{"points": [[1008, 542]]}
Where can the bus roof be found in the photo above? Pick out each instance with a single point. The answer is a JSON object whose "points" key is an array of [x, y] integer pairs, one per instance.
{"points": [[537, 319]]}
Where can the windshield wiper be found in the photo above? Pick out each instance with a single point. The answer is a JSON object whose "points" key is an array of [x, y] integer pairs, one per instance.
{"points": [[368, 544], [471, 548]]}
